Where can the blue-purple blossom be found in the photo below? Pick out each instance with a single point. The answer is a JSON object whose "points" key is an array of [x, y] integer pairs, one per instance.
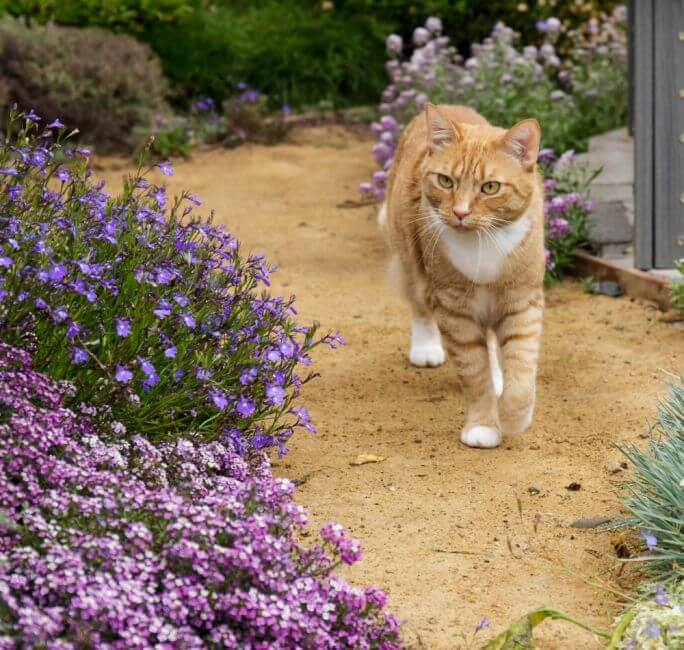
{"points": [[123, 375], [483, 624], [166, 168], [660, 597], [650, 539], [5, 261], [55, 124], [245, 407], [123, 327], [79, 355]]}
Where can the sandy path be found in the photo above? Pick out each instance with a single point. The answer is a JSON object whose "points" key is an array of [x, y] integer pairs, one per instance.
{"points": [[598, 385]]}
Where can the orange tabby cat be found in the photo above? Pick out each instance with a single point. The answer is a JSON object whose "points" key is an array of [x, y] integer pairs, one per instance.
{"points": [[464, 218]]}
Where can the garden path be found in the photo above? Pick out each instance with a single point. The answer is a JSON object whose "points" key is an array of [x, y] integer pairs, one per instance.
{"points": [[451, 533]]}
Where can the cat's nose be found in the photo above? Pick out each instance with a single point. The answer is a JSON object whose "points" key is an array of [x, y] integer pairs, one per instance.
{"points": [[461, 211]]}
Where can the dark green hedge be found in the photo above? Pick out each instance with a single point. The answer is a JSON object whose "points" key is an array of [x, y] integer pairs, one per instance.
{"points": [[294, 53]]}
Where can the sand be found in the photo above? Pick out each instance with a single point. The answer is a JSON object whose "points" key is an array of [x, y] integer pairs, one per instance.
{"points": [[451, 533]]}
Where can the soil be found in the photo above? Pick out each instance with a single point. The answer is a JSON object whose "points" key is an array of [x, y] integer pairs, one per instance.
{"points": [[452, 533]]}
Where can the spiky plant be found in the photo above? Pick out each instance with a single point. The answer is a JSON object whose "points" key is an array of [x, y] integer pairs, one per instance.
{"points": [[656, 490]]}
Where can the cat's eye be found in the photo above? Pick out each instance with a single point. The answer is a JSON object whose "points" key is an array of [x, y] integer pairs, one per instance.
{"points": [[490, 187], [445, 181]]}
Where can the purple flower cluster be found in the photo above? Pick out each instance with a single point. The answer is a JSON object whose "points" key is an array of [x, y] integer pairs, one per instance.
{"points": [[114, 543], [144, 308]]}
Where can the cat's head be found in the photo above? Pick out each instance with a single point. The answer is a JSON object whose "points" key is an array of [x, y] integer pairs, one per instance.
{"points": [[478, 176]]}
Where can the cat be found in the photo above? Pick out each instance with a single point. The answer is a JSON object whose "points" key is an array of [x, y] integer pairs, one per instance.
{"points": [[464, 217]]}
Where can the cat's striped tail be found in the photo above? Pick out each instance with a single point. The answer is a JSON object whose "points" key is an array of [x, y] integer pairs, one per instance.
{"points": [[495, 363]]}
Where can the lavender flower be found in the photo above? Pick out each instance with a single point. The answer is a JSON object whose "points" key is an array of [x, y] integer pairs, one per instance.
{"points": [[394, 43], [650, 539], [123, 327], [123, 375]]}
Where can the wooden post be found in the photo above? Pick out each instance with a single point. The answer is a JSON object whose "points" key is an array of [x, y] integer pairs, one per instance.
{"points": [[658, 42]]}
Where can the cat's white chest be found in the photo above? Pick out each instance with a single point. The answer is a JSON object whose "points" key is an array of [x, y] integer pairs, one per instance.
{"points": [[481, 256]]}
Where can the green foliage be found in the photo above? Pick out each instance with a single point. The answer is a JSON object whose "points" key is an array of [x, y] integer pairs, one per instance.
{"points": [[106, 84], [656, 492], [293, 53], [677, 287], [468, 21], [126, 15], [519, 635]]}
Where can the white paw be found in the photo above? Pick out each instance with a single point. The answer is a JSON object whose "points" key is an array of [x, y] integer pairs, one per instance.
{"points": [[427, 355], [481, 436]]}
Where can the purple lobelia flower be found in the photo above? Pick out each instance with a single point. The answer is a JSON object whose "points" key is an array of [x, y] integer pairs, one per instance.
{"points": [[79, 355], [166, 168], [650, 539], [123, 327], [123, 375]]}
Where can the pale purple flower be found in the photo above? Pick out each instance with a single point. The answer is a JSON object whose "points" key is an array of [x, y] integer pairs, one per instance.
{"points": [[55, 124], [420, 36], [650, 539], [79, 355], [123, 327], [123, 375], [434, 24], [483, 624], [275, 395], [553, 25], [5, 261], [220, 400], [245, 407], [9, 171], [558, 227], [188, 320], [166, 168], [170, 352], [660, 597], [394, 44]]}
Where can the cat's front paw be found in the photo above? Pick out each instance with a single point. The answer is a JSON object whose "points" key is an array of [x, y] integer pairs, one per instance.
{"points": [[427, 355], [481, 436]]}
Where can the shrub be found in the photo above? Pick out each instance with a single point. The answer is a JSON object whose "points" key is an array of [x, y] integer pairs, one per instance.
{"points": [[677, 287], [656, 495], [156, 315], [573, 98], [120, 544], [478, 17], [128, 15], [104, 83], [246, 117], [293, 53]]}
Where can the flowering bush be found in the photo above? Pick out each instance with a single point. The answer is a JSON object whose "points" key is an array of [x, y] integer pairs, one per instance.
{"points": [[246, 117], [566, 209], [573, 97], [154, 316], [114, 543], [107, 84]]}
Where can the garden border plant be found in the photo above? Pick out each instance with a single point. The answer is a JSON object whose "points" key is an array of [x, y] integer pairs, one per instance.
{"points": [[139, 504]]}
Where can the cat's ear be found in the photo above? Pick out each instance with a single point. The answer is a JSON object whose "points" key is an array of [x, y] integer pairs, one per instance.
{"points": [[441, 132], [522, 142]]}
